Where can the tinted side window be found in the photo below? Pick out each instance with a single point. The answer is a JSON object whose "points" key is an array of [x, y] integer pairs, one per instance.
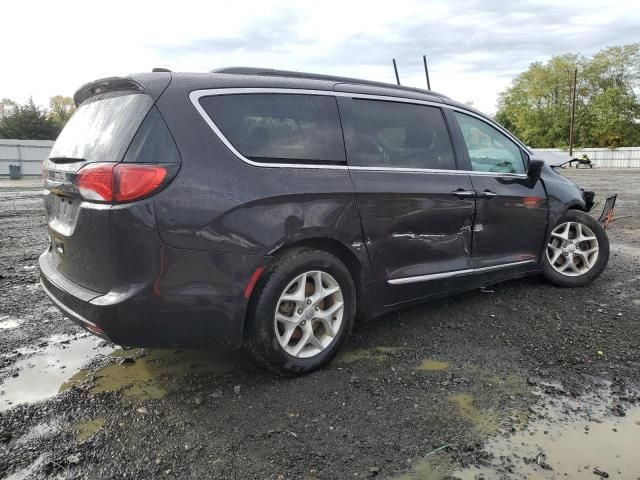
{"points": [[489, 149], [279, 127], [392, 134]]}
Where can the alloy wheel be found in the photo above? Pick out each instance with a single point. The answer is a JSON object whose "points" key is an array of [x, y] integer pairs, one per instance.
{"points": [[572, 249], [309, 314]]}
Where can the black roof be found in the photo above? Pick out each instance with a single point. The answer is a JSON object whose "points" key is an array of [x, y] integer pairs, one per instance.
{"points": [[268, 72]]}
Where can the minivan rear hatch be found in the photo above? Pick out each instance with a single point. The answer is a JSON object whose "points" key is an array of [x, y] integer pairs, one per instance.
{"points": [[97, 135]]}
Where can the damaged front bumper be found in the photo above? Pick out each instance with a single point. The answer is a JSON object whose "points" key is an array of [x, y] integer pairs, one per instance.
{"points": [[607, 212]]}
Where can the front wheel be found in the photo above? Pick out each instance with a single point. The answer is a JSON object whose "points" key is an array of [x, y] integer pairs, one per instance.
{"points": [[302, 312], [577, 250]]}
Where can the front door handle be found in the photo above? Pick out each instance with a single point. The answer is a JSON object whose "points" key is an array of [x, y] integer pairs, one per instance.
{"points": [[464, 193], [488, 194]]}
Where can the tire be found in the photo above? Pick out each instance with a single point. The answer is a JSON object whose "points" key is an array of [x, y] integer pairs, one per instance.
{"points": [[564, 245], [285, 277]]}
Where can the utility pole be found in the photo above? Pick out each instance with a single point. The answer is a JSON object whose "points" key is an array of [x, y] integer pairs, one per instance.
{"points": [[395, 69], [573, 111], [426, 71]]}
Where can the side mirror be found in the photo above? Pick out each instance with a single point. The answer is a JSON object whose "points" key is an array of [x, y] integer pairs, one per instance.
{"points": [[535, 167]]}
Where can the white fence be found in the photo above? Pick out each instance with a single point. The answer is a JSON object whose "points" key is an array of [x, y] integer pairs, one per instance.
{"points": [[29, 154], [625, 157]]}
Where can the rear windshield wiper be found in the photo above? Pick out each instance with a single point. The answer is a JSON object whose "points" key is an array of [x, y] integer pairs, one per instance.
{"points": [[67, 159]]}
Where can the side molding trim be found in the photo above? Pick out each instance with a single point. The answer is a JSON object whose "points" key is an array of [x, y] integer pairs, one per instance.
{"points": [[455, 273]]}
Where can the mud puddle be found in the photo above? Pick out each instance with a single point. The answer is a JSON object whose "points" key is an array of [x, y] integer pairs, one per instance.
{"points": [[564, 438], [606, 448], [379, 354], [42, 370], [149, 375], [87, 428], [431, 365], [7, 323]]}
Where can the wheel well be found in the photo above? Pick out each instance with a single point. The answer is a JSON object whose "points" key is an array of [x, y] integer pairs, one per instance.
{"points": [[576, 206], [345, 255], [334, 247]]}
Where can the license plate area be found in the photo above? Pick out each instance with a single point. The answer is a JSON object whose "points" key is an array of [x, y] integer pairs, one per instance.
{"points": [[66, 209], [62, 214]]}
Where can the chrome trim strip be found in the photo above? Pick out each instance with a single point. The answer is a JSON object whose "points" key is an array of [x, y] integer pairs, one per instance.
{"points": [[455, 273], [66, 309], [196, 95], [434, 170]]}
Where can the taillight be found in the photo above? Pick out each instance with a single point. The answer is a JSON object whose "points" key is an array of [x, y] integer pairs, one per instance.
{"points": [[95, 182], [106, 182], [136, 181]]}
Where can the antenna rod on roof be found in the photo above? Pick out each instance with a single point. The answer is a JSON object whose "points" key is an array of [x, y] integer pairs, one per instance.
{"points": [[426, 71], [395, 69]]}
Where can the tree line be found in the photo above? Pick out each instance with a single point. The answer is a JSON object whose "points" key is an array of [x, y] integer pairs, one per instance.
{"points": [[29, 121], [537, 105]]}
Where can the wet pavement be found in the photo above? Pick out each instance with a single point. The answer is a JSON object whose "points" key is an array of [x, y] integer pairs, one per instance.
{"points": [[42, 370], [563, 439], [521, 380], [151, 375]]}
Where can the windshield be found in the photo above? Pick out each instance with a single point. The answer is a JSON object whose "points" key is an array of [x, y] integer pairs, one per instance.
{"points": [[102, 127]]}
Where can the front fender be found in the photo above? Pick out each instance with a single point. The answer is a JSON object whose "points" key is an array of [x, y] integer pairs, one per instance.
{"points": [[562, 194]]}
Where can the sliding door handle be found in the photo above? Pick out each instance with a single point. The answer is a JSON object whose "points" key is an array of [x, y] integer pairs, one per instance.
{"points": [[464, 193], [488, 194]]}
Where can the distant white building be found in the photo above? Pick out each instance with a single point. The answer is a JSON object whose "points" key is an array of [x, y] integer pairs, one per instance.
{"points": [[28, 154]]}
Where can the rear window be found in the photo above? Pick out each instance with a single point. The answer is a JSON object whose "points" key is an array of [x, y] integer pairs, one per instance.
{"points": [[102, 127], [279, 127], [396, 135]]}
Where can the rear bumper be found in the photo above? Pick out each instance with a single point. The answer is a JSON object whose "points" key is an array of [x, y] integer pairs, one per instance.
{"points": [[50, 288], [195, 301]]}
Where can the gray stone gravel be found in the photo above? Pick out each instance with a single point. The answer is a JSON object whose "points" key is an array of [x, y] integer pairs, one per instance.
{"points": [[373, 413]]}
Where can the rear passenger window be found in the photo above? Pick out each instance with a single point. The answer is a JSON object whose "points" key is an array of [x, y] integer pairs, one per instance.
{"points": [[279, 127], [399, 135]]}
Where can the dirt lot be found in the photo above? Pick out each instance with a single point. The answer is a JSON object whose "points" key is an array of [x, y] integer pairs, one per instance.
{"points": [[518, 380]]}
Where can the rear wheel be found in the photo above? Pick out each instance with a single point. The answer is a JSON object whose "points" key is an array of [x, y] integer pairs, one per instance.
{"points": [[577, 250], [302, 312]]}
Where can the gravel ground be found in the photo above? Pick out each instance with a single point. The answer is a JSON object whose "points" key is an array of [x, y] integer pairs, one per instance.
{"points": [[462, 375]]}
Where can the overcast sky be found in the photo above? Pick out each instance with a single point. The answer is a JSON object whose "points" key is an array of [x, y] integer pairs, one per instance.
{"points": [[474, 47]]}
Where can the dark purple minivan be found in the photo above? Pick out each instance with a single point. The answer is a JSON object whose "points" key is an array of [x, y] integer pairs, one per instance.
{"points": [[270, 209]]}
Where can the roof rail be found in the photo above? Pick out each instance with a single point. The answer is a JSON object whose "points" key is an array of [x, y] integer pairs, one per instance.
{"points": [[268, 72]]}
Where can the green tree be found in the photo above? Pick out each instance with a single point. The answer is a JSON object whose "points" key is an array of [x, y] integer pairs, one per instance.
{"points": [[28, 122], [60, 109], [537, 106]]}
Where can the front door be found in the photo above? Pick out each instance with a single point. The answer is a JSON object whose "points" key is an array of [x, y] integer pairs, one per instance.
{"points": [[416, 208], [511, 207]]}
